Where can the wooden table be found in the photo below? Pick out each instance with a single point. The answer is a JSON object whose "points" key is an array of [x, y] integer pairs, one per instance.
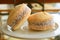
{"points": [[21, 1]]}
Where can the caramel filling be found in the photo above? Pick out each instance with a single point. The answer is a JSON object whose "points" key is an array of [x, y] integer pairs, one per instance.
{"points": [[42, 24], [19, 17]]}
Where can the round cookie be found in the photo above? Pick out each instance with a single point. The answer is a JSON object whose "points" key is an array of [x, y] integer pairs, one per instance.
{"points": [[18, 16], [41, 21]]}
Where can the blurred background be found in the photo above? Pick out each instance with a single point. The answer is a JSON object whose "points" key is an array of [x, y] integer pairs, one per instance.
{"points": [[52, 6]]}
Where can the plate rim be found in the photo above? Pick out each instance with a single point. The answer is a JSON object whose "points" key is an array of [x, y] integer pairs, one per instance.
{"points": [[22, 37]]}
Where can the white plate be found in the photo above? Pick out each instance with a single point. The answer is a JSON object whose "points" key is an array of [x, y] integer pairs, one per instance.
{"points": [[24, 32]]}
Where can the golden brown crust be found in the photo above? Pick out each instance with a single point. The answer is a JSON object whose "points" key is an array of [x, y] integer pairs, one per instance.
{"points": [[41, 21], [19, 23], [40, 17], [21, 12]]}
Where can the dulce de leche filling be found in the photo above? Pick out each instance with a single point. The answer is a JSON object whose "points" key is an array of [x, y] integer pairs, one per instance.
{"points": [[42, 24], [19, 17]]}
